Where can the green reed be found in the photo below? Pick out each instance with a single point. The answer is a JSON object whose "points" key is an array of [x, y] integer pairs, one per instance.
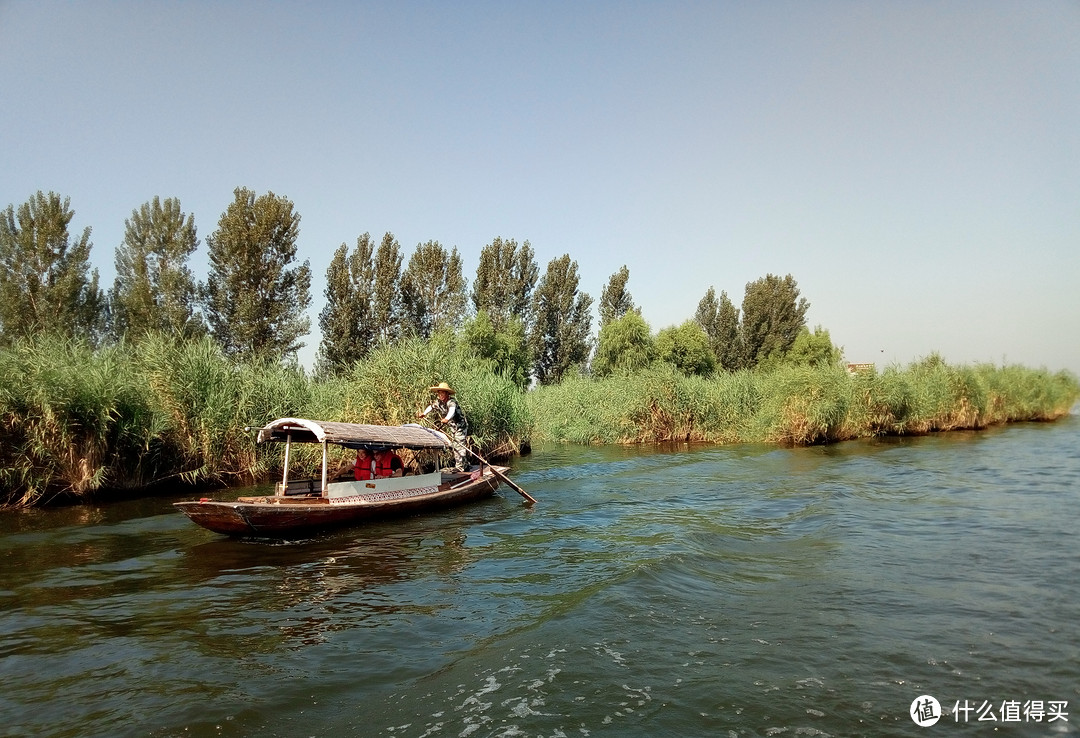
{"points": [[129, 416], [797, 405], [391, 385], [66, 411], [80, 421], [209, 400]]}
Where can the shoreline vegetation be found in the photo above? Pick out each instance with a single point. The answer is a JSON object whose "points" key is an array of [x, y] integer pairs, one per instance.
{"points": [[85, 424], [155, 382]]}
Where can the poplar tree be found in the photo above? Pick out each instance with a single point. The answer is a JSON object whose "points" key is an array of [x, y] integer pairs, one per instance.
{"points": [[728, 347], [386, 307], [255, 296], [560, 335], [720, 321], [45, 279], [505, 279], [615, 300], [347, 321], [705, 315], [433, 290], [772, 314], [154, 290]]}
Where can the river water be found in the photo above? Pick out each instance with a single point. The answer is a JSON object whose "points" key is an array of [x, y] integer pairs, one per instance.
{"points": [[680, 591]]}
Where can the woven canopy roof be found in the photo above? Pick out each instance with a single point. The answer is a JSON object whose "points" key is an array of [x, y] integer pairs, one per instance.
{"points": [[353, 435]]}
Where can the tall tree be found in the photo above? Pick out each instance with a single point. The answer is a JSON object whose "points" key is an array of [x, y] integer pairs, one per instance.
{"points": [[560, 334], [348, 328], [720, 321], [772, 314], [45, 278], [624, 344], [154, 289], [433, 290], [615, 300], [705, 315], [505, 279], [387, 303], [255, 297], [728, 346]]}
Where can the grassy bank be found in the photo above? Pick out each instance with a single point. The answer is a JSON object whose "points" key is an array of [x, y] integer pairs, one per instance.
{"points": [[796, 405], [79, 422]]}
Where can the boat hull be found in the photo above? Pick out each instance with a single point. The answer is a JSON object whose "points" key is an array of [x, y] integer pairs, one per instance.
{"points": [[278, 516]]}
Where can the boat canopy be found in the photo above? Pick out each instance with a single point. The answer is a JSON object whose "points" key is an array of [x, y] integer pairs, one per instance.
{"points": [[353, 435]]}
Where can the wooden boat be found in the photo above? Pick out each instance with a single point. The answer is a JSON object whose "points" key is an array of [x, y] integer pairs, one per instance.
{"points": [[303, 505]]}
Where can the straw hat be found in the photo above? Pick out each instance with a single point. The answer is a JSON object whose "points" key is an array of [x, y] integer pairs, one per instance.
{"points": [[442, 386]]}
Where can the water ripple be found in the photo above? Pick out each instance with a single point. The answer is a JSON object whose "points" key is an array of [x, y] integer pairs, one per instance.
{"points": [[684, 590]]}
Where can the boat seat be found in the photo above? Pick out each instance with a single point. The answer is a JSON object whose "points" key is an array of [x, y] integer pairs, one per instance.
{"points": [[301, 487]]}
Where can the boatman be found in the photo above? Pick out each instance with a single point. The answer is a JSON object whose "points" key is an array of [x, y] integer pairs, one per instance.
{"points": [[453, 418]]}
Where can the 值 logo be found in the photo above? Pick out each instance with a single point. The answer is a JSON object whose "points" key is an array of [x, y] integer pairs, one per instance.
{"points": [[925, 711]]}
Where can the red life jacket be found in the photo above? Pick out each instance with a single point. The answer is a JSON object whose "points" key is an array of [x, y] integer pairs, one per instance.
{"points": [[378, 467], [384, 466], [364, 469]]}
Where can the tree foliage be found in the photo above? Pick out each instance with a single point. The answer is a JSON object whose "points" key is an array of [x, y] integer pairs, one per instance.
{"points": [[505, 279], [687, 348], [615, 300], [560, 335], [347, 324], [45, 280], [154, 290], [386, 308], [433, 290], [728, 347], [705, 315], [813, 349], [624, 345], [505, 349], [255, 298], [772, 314], [720, 321]]}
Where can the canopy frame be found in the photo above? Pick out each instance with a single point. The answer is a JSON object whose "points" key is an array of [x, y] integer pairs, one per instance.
{"points": [[348, 435]]}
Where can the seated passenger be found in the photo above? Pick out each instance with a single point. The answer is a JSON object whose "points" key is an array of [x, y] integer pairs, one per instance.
{"points": [[364, 466], [388, 464]]}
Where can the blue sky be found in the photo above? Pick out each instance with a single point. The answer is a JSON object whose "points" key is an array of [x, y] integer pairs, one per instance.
{"points": [[914, 165]]}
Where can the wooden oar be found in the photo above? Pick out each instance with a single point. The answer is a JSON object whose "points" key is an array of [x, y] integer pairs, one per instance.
{"points": [[528, 498]]}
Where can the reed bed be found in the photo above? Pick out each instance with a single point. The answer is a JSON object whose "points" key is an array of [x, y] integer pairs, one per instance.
{"points": [[392, 384], [67, 412], [79, 421], [797, 405], [208, 401], [128, 417]]}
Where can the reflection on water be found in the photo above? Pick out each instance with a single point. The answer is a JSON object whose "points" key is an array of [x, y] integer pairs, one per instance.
{"points": [[679, 590]]}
